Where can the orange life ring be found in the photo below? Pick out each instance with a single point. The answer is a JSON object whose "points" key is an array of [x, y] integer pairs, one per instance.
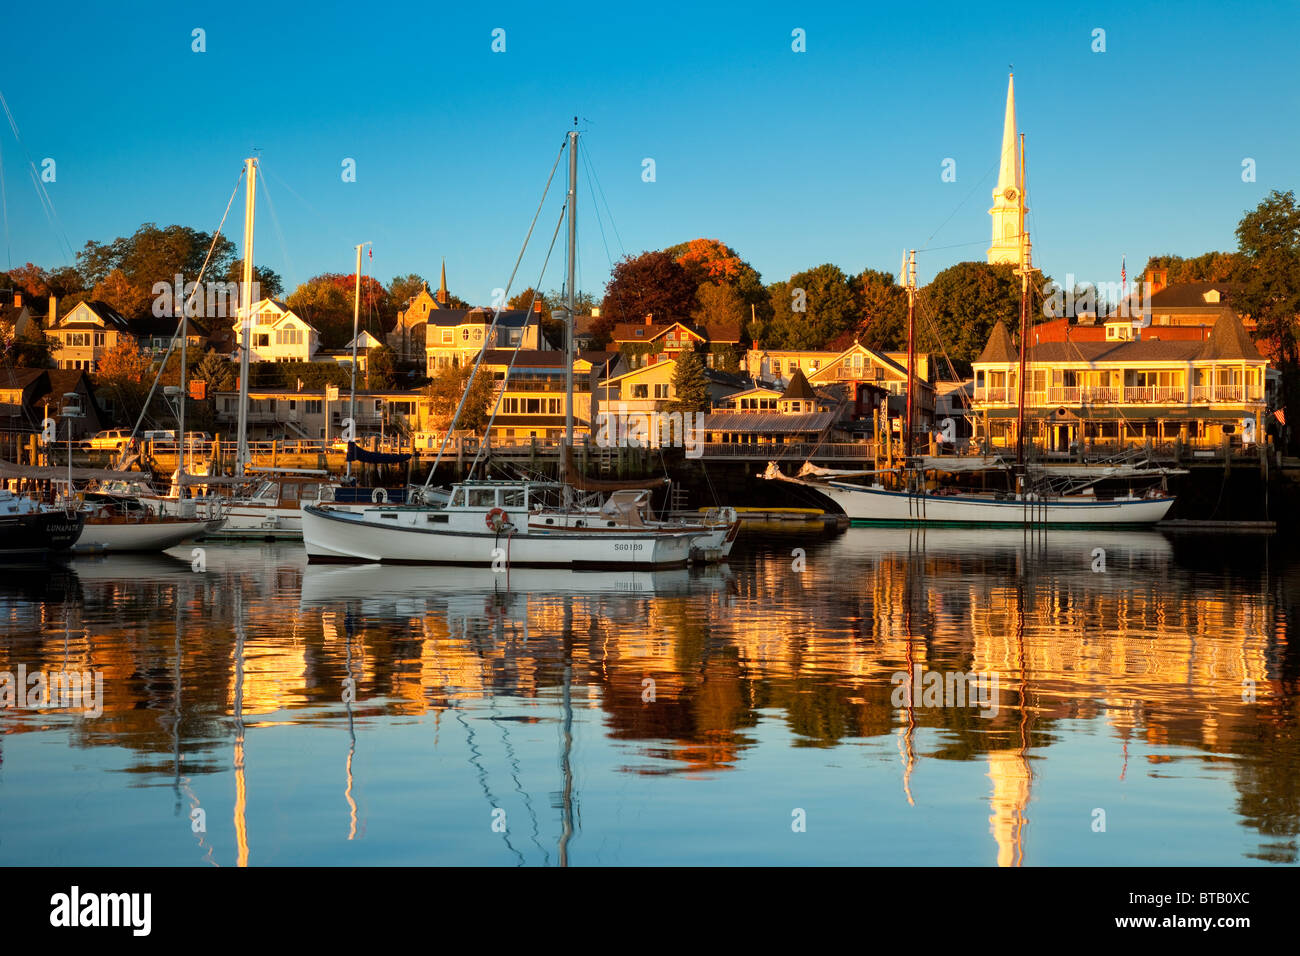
{"points": [[496, 519]]}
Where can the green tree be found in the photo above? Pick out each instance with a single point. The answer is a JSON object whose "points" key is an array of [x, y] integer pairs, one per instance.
{"points": [[269, 285], [881, 311], [404, 288], [1269, 239], [809, 310], [152, 254], [217, 371], [719, 306], [381, 368], [965, 301], [444, 391], [690, 385]]}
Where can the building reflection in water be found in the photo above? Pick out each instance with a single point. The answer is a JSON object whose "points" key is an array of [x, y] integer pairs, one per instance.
{"points": [[1159, 650]]}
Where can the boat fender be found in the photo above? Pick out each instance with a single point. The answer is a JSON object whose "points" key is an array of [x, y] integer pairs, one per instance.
{"points": [[496, 519], [380, 496]]}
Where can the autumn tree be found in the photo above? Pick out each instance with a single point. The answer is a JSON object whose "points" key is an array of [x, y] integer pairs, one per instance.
{"points": [[444, 392], [326, 302], [652, 283], [31, 349], [126, 297], [711, 261], [810, 309]]}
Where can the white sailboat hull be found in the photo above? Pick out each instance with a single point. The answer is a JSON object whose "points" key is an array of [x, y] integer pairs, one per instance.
{"points": [[876, 505], [334, 535], [143, 535]]}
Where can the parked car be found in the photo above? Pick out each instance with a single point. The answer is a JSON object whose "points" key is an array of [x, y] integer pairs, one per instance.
{"points": [[113, 438], [159, 435]]}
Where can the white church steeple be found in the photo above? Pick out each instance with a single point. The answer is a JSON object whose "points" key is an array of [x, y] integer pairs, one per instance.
{"points": [[1010, 189]]}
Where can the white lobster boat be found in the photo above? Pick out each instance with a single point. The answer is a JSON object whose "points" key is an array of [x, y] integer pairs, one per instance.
{"points": [[510, 523]]}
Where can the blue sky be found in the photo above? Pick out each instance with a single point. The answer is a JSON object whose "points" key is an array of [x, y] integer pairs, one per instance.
{"points": [[793, 159]]}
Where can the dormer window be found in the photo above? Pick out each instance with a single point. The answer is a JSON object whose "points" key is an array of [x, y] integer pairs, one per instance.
{"points": [[640, 332], [1212, 297]]}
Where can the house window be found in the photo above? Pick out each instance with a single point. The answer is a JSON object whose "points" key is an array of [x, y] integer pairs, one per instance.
{"points": [[464, 334], [640, 391], [776, 367], [447, 336], [661, 391], [312, 406], [99, 338], [640, 332], [261, 341]]}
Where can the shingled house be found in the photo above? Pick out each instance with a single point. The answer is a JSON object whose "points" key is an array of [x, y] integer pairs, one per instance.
{"points": [[1123, 392]]}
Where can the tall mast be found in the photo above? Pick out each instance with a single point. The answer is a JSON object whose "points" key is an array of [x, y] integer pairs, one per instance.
{"points": [[1024, 312], [246, 306], [568, 332], [911, 351], [185, 332], [356, 320]]}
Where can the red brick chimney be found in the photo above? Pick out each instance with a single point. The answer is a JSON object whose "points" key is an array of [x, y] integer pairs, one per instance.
{"points": [[54, 310], [18, 300], [537, 305], [649, 318]]}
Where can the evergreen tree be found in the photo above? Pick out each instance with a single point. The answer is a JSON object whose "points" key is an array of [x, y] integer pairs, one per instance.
{"points": [[690, 385]]}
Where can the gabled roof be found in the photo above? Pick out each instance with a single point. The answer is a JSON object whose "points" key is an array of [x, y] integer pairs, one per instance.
{"points": [[1229, 340], [104, 312], [637, 331], [999, 348], [1191, 295], [20, 377]]}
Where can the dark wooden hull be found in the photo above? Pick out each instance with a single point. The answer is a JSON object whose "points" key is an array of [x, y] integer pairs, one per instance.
{"points": [[38, 534]]}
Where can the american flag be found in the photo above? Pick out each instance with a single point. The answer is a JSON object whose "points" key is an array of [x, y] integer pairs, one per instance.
{"points": [[1123, 275], [1280, 415]]}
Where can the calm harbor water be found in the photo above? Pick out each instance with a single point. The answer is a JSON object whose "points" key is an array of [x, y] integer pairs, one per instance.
{"points": [[1130, 707]]}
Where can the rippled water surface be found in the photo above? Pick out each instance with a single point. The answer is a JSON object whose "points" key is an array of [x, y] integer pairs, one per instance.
{"points": [[1138, 706]]}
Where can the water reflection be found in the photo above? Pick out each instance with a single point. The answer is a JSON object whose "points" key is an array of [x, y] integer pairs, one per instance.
{"points": [[568, 691]]}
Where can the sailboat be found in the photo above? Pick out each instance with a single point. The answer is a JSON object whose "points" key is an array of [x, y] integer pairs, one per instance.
{"points": [[1036, 500], [508, 522]]}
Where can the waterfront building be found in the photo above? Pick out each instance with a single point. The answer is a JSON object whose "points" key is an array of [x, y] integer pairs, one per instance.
{"points": [[454, 337], [764, 415], [279, 334], [1115, 393], [88, 332], [648, 342]]}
